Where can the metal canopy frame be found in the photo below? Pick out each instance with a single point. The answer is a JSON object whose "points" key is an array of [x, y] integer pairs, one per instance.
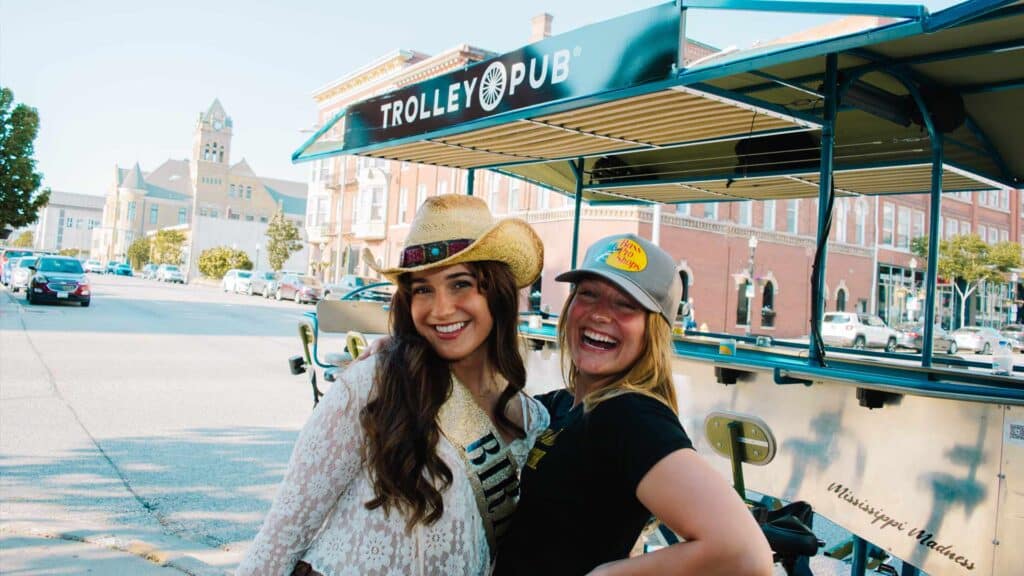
{"points": [[863, 96]]}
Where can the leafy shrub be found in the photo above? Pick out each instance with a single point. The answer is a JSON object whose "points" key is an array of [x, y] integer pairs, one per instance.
{"points": [[215, 262]]}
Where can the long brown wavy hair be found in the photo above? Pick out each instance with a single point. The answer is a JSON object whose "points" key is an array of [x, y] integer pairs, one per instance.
{"points": [[410, 385]]}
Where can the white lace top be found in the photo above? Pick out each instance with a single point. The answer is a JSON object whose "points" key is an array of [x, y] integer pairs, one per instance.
{"points": [[319, 515]]}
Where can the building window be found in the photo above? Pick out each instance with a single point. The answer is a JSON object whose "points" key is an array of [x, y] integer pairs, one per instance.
{"points": [[861, 210], [793, 216], [768, 218], [842, 207], [248, 192], [154, 214], [514, 193], [421, 195], [543, 199], [204, 212], [231, 192], [744, 215], [711, 210], [917, 225], [993, 235], [683, 209], [182, 215], [232, 216], [951, 227], [1004, 235], [841, 300], [888, 223], [903, 228], [768, 305], [492, 191], [214, 213], [249, 218], [263, 219], [70, 222], [403, 204], [742, 304], [965, 227], [131, 211]]}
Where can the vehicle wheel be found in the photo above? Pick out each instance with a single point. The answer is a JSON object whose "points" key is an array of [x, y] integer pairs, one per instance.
{"points": [[28, 296], [890, 346], [987, 348], [85, 303], [858, 343], [953, 348], [277, 296]]}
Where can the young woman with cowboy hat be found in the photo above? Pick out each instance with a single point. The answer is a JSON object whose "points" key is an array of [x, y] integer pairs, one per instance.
{"points": [[410, 463], [615, 454]]}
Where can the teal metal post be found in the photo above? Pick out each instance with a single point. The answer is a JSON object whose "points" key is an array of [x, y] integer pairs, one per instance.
{"points": [[577, 171], [470, 180], [860, 556], [828, 137]]}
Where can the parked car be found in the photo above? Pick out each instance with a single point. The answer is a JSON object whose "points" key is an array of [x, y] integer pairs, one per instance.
{"points": [[148, 272], [271, 289], [977, 339], [345, 284], [169, 273], [20, 272], [6, 258], [854, 330], [236, 280], [93, 266], [56, 279], [299, 288], [911, 335], [1015, 334], [123, 270], [261, 282], [112, 266]]}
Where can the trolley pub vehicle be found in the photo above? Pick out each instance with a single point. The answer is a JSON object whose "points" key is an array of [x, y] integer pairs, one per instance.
{"points": [[919, 456]]}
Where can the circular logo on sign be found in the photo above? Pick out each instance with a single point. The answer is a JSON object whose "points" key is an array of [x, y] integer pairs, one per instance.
{"points": [[492, 86], [626, 255]]}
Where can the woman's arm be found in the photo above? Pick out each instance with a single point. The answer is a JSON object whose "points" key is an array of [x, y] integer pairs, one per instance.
{"points": [[323, 462], [691, 498]]}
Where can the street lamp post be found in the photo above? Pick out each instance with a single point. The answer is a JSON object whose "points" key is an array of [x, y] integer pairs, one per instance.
{"points": [[752, 244], [257, 266]]}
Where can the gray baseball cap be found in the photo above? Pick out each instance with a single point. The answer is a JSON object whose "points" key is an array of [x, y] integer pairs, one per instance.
{"points": [[638, 268]]}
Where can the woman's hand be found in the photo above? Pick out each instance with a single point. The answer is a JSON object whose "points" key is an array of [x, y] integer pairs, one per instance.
{"points": [[374, 347]]}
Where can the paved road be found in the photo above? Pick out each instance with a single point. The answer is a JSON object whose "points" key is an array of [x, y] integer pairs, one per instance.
{"points": [[159, 419]]}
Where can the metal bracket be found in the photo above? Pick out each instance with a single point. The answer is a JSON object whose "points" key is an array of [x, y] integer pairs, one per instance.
{"points": [[782, 376]]}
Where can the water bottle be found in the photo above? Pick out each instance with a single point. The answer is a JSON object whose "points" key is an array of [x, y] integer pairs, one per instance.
{"points": [[1002, 359]]}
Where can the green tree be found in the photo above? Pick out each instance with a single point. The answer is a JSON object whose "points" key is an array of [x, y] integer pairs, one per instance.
{"points": [[24, 240], [20, 196], [139, 252], [215, 262], [968, 261], [283, 240], [166, 247], [73, 252]]}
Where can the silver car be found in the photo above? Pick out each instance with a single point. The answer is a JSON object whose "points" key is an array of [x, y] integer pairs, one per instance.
{"points": [[20, 273], [978, 339]]}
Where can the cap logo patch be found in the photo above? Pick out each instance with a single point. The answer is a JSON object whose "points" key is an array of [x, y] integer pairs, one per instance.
{"points": [[625, 255]]}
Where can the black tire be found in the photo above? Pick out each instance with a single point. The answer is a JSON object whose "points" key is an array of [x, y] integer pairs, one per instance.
{"points": [[890, 345], [953, 348], [986, 349], [859, 343], [28, 296], [85, 303]]}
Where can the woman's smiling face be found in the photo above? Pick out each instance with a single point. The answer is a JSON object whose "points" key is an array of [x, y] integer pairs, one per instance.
{"points": [[606, 329], [451, 313]]}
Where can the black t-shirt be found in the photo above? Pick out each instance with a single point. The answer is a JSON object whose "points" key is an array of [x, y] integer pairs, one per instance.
{"points": [[578, 506]]}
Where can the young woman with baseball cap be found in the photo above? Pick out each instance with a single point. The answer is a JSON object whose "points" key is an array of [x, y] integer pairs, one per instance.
{"points": [[410, 464], [615, 454]]}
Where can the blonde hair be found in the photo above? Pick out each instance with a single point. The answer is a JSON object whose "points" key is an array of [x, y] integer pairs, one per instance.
{"points": [[650, 375]]}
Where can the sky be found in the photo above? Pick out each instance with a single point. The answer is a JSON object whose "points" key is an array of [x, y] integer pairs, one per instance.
{"points": [[119, 82]]}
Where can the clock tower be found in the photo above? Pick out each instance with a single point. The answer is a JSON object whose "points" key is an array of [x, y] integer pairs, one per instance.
{"points": [[211, 144]]}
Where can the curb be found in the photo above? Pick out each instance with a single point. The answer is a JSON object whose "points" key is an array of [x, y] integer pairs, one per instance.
{"points": [[184, 563]]}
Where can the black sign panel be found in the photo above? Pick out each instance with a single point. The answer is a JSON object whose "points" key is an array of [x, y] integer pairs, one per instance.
{"points": [[626, 51]]}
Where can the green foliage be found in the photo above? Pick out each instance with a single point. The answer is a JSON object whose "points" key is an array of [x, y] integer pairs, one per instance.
{"points": [[24, 240], [970, 259], [139, 252], [73, 252], [20, 196], [215, 262], [166, 247], [283, 240]]}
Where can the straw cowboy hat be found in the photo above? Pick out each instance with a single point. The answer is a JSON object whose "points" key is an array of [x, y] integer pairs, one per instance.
{"points": [[452, 229]]}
